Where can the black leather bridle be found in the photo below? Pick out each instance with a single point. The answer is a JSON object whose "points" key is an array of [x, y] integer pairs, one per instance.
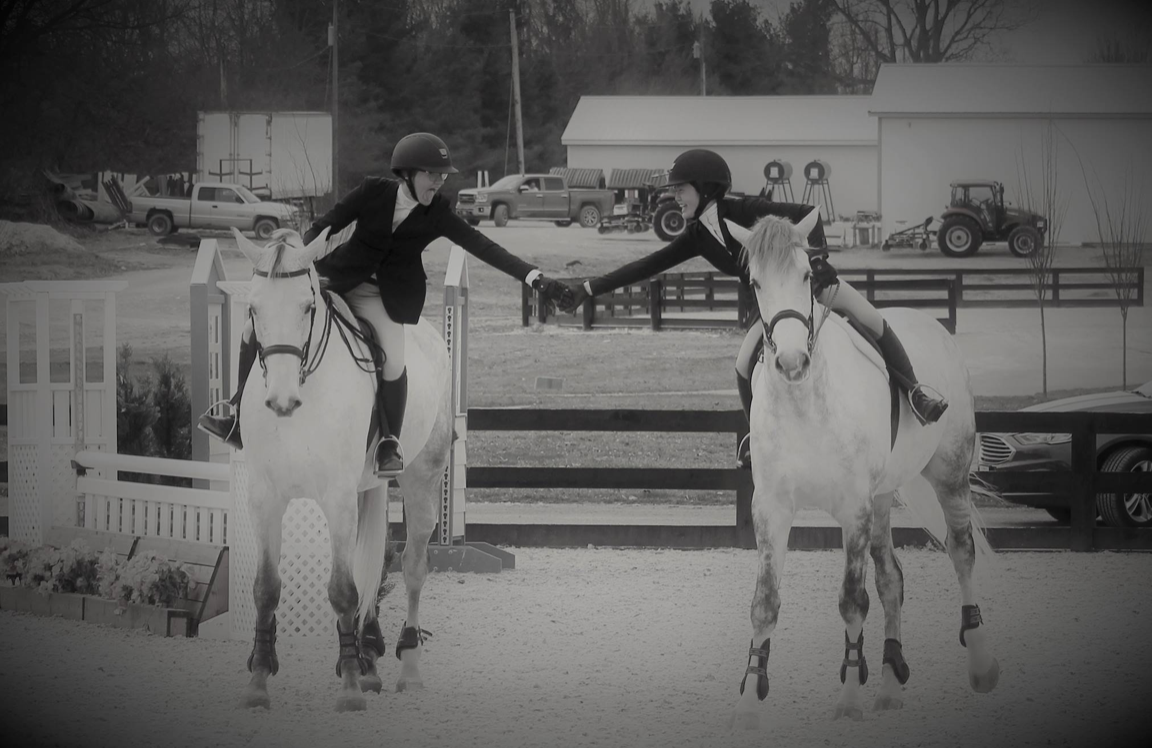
{"points": [[284, 348]]}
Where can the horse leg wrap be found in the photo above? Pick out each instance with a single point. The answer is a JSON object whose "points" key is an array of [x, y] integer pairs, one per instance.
{"points": [[969, 619], [894, 656], [349, 650], [760, 669], [373, 638], [264, 649], [858, 648], [410, 638]]}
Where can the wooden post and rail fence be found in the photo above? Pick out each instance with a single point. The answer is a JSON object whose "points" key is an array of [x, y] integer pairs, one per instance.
{"points": [[713, 300]]}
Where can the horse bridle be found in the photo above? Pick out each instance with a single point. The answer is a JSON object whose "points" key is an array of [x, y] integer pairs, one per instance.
{"points": [[283, 348], [813, 329]]}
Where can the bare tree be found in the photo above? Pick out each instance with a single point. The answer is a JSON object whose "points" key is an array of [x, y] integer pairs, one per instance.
{"points": [[931, 30], [1133, 49], [1046, 199], [1122, 226]]}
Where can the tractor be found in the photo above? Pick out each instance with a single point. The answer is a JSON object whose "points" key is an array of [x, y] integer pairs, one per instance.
{"points": [[977, 213]]}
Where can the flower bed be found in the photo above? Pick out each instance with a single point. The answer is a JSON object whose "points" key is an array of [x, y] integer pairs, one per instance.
{"points": [[78, 583]]}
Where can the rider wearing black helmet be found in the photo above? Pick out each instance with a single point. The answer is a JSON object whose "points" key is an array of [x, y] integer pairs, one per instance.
{"points": [[380, 273], [701, 179]]}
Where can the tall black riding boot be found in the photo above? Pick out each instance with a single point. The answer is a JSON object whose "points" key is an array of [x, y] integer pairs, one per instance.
{"points": [[744, 451], [391, 399], [227, 428], [927, 408]]}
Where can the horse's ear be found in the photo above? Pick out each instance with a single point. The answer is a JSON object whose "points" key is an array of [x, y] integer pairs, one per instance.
{"points": [[808, 222], [247, 247], [738, 232], [317, 247]]}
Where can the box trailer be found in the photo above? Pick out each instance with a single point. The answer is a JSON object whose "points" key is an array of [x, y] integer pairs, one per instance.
{"points": [[277, 155]]}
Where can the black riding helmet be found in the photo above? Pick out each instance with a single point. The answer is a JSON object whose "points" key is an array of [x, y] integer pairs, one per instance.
{"points": [[706, 171], [420, 151]]}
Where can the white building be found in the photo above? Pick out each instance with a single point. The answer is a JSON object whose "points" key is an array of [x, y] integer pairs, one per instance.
{"points": [[622, 132], [942, 122]]}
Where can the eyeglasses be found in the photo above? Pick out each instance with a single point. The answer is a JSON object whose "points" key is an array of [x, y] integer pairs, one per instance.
{"points": [[437, 176]]}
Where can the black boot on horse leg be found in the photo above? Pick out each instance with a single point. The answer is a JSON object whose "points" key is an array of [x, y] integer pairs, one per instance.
{"points": [[409, 647], [350, 658], [926, 408], [371, 649], [391, 397], [261, 663], [227, 428]]}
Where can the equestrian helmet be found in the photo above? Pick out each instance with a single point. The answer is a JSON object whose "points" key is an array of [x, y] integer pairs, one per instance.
{"points": [[423, 151], [700, 166]]}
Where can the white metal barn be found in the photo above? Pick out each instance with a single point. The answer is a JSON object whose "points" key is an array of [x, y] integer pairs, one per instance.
{"points": [[622, 132], [942, 122]]}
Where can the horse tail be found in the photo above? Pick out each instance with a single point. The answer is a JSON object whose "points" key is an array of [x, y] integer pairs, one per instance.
{"points": [[919, 498], [371, 550]]}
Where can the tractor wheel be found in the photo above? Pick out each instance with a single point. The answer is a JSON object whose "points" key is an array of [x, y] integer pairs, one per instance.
{"points": [[668, 221], [959, 236], [1127, 509], [1024, 241], [500, 215], [589, 216]]}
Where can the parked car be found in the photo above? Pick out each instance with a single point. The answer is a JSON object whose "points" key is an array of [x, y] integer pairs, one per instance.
{"points": [[534, 196], [1114, 453], [212, 205]]}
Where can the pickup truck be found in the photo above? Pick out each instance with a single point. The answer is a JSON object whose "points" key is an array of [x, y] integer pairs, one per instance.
{"points": [[211, 205], [534, 196]]}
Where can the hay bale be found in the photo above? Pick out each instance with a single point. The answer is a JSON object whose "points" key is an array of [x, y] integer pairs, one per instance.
{"points": [[29, 238]]}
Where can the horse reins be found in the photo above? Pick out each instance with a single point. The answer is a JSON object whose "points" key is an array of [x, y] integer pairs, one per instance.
{"points": [[308, 367]]}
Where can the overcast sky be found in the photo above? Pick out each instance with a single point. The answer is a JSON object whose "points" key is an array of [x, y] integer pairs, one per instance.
{"points": [[1065, 31]]}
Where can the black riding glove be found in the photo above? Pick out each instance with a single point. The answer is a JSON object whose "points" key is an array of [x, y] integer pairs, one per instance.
{"points": [[554, 291]]}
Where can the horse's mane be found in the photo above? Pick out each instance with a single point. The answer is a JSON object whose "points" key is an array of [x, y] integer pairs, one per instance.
{"points": [[771, 247], [287, 252]]}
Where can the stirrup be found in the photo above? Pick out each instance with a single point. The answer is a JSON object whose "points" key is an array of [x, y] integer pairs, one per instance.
{"points": [[744, 453], [393, 467], [212, 425], [936, 404]]}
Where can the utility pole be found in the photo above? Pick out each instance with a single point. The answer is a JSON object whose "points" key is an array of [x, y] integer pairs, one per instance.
{"points": [[333, 36], [698, 53], [516, 91]]}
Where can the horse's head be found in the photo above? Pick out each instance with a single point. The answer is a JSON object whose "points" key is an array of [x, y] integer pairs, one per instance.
{"points": [[782, 281], [282, 300]]}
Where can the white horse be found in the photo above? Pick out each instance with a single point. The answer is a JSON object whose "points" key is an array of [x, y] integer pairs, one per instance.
{"points": [[306, 424], [821, 436]]}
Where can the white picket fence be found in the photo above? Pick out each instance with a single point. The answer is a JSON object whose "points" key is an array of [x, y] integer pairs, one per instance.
{"points": [[199, 515]]}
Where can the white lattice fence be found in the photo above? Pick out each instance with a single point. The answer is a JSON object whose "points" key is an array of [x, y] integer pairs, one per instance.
{"points": [[305, 565]]}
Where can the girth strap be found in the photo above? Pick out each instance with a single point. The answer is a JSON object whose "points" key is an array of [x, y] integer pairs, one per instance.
{"points": [[969, 619], [859, 661]]}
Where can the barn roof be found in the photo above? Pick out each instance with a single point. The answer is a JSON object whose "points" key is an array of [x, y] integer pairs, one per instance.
{"points": [[998, 90], [721, 120]]}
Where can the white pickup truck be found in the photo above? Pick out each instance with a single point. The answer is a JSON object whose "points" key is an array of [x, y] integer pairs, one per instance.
{"points": [[212, 205]]}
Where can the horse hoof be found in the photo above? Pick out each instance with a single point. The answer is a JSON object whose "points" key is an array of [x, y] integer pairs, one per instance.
{"points": [[855, 713], [405, 684], [256, 700], [887, 702], [371, 683], [744, 721], [351, 703], [986, 681]]}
